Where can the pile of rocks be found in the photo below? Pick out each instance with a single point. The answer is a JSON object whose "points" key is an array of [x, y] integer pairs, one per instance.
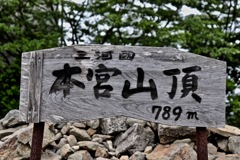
{"points": [[114, 138]]}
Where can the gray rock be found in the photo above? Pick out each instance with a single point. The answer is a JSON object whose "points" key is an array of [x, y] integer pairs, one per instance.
{"points": [[79, 125], [101, 158], [60, 125], [86, 155], [234, 144], [109, 145], [211, 149], [62, 142], [89, 145], [65, 151], [101, 152], [99, 140], [58, 136], [6, 132], [154, 126], [112, 153], [132, 121], [187, 140], [11, 148], [113, 125], [94, 124], [25, 136], [114, 158], [223, 144], [80, 134], [148, 149], [168, 134], [71, 140], [227, 131], [11, 119], [53, 144], [138, 156], [65, 128], [104, 137], [212, 157], [232, 157], [176, 151], [136, 138], [221, 155], [76, 156], [75, 148], [47, 155], [124, 157], [91, 131]]}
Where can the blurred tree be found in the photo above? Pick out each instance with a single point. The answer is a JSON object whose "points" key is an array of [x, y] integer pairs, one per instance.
{"points": [[24, 26]]}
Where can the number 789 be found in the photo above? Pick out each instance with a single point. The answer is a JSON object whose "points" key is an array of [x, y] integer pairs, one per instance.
{"points": [[166, 114]]}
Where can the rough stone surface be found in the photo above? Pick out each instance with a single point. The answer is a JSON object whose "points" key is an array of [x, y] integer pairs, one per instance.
{"points": [[62, 142], [139, 141], [113, 125], [86, 155], [80, 134], [49, 155], [48, 135], [65, 129], [124, 157], [212, 149], [79, 125], [6, 132], [101, 158], [148, 149], [89, 145], [132, 121], [76, 156], [138, 156], [109, 145], [168, 134], [232, 157], [136, 138], [227, 131], [26, 135], [91, 131], [94, 124], [65, 151], [11, 119], [13, 149], [234, 144], [58, 136], [71, 140], [101, 152], [104, 137], [187, 140], [99, 140], [223, 144], [175, 151]]}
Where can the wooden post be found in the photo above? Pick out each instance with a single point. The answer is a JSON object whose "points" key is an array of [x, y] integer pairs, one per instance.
{"points": [[37, 139], [202, 150]]}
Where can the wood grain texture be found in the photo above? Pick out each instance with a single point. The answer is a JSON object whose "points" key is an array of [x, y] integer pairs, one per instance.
{"points": [[81, 104]]}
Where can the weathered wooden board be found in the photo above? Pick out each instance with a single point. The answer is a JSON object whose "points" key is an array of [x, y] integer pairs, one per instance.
{"points": [[85, 82]]}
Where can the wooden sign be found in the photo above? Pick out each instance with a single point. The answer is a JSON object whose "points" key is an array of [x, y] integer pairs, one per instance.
{"points": [[86, 82]]}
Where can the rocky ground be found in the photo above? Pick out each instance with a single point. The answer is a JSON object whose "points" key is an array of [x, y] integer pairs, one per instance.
{"points": [[114, 138]]}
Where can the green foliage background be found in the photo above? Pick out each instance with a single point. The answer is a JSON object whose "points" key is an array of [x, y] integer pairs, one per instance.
{"points": [[27, 25]]}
